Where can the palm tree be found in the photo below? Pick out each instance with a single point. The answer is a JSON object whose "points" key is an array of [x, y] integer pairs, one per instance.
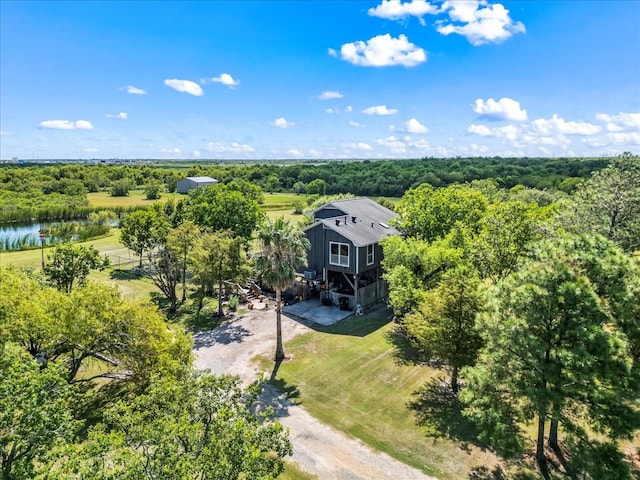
{"points": [[284, 248]]}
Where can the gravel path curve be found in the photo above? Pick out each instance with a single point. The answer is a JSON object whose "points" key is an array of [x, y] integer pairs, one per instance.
{"points": [[317, 448]]}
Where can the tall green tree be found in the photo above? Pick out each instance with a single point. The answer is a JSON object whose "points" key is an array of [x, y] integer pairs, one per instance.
{"points": [[91, 323], [429, 213], [35, 413], [414, 266], [219, 257], [220, 207], [164, 270], [194, 426], [609, 203], [181, 240], [558, 346], [283, 249], [444, 325], [68, 263], [143, 230], [504, 235]]}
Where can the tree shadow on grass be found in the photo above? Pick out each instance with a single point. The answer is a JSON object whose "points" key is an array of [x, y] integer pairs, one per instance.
{"points": [[91, 403], [188, 316], [439, 410], [404, 353], [484, 473], [122, 275]]}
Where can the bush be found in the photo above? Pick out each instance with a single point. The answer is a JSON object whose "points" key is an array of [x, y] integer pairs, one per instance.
{"points": [[120, 188], [298, 207], [233, 302], [152, 191]]}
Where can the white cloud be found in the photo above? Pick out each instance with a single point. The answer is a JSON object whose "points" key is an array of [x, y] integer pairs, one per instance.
{"points": [[479, 130], [414, 126], [329, 95], [331, 110], [508, 132], [133, 90], [383, 51], [379, 110], [560, 126], [91, 150], [397, 10], [315, 153], [171, 151], [393, 144], [503, 109], [349, 108], [422, 144], [478, 21], [282, 123], [365, 147], [195, 153], [332, 52], [554, 131], [4, 133], [226, 79], [614, 138], [620, 122], [355, 124], [295, 152], [184, 86], [121, 115], [66, 125], [233, 148]]}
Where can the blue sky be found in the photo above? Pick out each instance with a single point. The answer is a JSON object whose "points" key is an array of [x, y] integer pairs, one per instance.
{"points": [[318, 79]]}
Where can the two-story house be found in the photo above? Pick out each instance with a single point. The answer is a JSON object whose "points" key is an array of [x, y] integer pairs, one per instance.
{"points": [[345, 250]]}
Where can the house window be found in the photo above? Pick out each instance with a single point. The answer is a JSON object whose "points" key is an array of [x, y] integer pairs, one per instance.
{"points": [[339, 254], [370, 249]]}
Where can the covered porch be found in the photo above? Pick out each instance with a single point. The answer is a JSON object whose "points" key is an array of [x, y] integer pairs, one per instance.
{"points": [[347, 290]]}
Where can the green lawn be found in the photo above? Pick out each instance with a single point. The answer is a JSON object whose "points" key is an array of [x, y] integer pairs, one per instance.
{"points": [[131, 286], [348, 377], [136, 198], [293, 472]]}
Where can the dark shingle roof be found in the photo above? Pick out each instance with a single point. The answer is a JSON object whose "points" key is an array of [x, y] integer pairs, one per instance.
{"points": [[371, 220]]}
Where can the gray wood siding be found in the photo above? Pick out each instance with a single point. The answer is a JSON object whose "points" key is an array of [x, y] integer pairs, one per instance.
{"points": [[315, 256], [362, 258]]}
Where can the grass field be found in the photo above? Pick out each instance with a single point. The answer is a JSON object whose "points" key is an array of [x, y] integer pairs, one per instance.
{"points": [[136, 198], [349, 377]]}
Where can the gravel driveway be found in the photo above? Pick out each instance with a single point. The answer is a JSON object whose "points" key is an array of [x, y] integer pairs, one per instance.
{"points": [[317, 448]]}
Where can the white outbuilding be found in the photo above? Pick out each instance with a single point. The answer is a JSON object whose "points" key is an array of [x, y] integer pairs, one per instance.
{"points": [[189, 183]]}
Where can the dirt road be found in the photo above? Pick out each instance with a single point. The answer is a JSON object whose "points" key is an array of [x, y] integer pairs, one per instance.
{"points": [[317, 448]]}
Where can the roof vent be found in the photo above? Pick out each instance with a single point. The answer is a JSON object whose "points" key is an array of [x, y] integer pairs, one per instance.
{"points": [[337, 221], [353, 219]]}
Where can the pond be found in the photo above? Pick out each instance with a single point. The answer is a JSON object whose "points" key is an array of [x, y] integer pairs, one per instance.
{"points": [[17, 236], [22, 233]]}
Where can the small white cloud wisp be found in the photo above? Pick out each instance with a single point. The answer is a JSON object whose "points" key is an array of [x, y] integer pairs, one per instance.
{"points": [[379, 110], [184, 86], [67, 125]]}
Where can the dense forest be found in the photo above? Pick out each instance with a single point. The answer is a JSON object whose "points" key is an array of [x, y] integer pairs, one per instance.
{"points": [[526, 298], [65, 185]]}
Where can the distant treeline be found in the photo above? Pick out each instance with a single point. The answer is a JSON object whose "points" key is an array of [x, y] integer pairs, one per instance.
{"points": [[57, 191]]}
